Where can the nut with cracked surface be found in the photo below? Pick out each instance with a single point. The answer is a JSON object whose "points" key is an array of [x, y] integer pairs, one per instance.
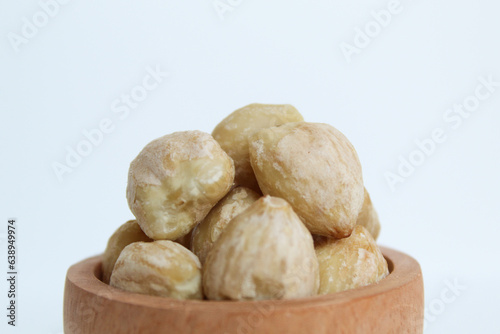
{"points": [[232, 134], [266, 252], [125, 235], [175, 181], [208, 231], [368, 217], [161, 268], [349, 263], [316, 169]]}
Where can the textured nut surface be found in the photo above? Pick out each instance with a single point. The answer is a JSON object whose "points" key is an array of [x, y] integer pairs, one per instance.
{"points": [[316, 169], [368, 217], [233, 132], [350, 262], [208, 231], [175, 181], [160, 268], [125, 235], [266, 252]]}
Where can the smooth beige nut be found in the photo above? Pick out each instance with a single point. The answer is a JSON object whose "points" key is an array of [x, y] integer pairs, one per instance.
{"points": [[125, 235], [208, 231], [316, 169], [368, 217], [233, 132], [161, 268], [175, 181], [264, 253], [349, 263]]}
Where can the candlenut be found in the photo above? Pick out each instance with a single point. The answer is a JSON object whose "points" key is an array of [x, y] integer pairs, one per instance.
{"points": [[368, 217], [125, 235], [175, 181], [349, 263], [232, 134], [161, 268], [264, 253], [208, 231], [316, 169]]}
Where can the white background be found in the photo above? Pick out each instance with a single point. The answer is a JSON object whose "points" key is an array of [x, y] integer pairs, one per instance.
{"points": [[64, 79]]}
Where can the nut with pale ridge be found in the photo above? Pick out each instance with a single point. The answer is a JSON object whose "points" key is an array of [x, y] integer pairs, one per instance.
{"points": [[232, 134], [368, 217], [316, 169], [208, 231], [265, 252], [125, 235], [175, 181], [349, 263], [161, 268]]}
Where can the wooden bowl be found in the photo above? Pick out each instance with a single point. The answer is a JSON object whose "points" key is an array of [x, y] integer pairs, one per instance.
{"points": [[394, 305]]}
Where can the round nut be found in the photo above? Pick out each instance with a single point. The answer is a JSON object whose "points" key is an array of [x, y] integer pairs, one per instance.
{"points": [[264, 253], [161, 268], [208, 231], [175, 181], [316, 169], [125, 235], [349, 263], [233, 132], [368, 217]]}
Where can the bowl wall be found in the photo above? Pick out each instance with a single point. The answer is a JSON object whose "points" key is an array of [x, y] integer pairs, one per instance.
{"points": [[394, 305]]}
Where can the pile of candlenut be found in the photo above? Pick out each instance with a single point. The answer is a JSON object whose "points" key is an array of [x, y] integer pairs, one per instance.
{"points": [[267, 207]]}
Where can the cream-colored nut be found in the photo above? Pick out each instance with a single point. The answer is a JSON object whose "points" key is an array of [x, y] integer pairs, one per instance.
{"points": [[316, 169], [161, 268], [265, 252], [175, 181], [368, 217], [349, 263], [208, 231], [233, 132], [125, 235]]}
